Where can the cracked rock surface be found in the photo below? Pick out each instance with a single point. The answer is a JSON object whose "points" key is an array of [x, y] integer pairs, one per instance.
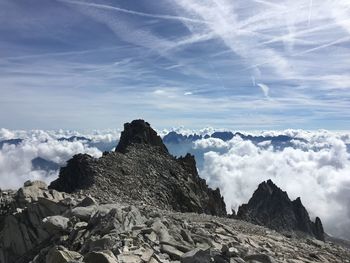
{"points": [[119, 232]]}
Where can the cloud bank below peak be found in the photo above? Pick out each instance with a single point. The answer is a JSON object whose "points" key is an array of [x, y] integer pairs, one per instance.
{"points": [[316, 170], [312, 165]]}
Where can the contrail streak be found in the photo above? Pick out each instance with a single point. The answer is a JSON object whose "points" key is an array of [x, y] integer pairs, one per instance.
{"points": [[338, 41], [310, 9], [127, 11]]}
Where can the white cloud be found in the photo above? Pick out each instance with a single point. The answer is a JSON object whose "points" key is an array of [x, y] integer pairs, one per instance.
{"points": [[15, 160], [265, 89], [317, 171], [6, 134], [131, 12]]}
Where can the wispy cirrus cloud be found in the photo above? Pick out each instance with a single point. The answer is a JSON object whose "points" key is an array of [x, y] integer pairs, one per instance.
{"points": [[213, 49]]}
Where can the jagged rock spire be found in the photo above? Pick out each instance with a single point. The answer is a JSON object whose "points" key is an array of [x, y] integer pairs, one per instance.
{"points": [[271, 207], [139, 132]]}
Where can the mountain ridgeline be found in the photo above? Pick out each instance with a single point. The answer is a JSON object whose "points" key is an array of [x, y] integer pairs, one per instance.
{"points": [[141, 170]]}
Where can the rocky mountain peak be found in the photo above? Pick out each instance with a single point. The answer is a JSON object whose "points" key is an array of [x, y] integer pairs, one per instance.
{"points": [[268, 187], [139, 132], [271, 207], [141, 170]]}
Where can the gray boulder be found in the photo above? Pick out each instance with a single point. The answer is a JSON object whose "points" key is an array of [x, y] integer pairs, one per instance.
{"points": [[105, 256], [62, 255], [203, 256], [54, 224], [83, 213]]}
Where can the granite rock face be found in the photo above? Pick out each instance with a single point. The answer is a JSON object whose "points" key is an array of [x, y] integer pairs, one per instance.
{"points": [[123, 233], [271, 207], [141, 170], [21, 220]]}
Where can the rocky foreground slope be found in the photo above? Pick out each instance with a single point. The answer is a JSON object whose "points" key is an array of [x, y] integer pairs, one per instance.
{"points": [[57, 227], [140, 204]]}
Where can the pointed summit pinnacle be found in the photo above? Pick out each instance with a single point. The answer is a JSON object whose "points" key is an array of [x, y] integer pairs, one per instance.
{"points": [[139, 132]]}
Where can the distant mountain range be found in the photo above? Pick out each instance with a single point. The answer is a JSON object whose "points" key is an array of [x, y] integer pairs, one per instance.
{"points": [[39, 163], [74, 138], [10, 142], [279, 141]]}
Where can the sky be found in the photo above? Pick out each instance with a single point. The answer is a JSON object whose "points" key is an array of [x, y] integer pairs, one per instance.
{"points": [[244, 64]]}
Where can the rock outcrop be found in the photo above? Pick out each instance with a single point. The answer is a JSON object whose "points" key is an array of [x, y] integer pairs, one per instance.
{"points": [[54, 227], [271, 207], [139, 132], [141, 171], [21, 226]]}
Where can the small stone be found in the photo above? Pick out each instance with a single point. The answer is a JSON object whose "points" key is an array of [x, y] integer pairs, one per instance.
{"points": [[229, 251], [56, 255], [236, 260], [260, 258], [129, 258], [80, 225], [147, 255], [173, 252], [105, 256], [197, 256], [83, 213], [88, 201], [55, 224]]}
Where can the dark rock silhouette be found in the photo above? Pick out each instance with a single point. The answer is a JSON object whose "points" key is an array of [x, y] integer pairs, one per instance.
{"points": [[271, 207], [141, 170], [78, 174], [139, 132]]}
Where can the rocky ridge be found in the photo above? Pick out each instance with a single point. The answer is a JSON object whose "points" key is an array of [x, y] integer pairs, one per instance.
{"points": [[54, 227], [141, 170], [271, 207]]}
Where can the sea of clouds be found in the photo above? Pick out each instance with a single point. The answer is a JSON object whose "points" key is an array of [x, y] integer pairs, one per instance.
{"points": [[16, 160], [315, 167]]}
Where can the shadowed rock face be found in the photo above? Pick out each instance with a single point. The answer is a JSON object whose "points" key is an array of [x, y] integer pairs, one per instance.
{"points": [[141, 171], [139, 132], [78, 174], [271, 207]]}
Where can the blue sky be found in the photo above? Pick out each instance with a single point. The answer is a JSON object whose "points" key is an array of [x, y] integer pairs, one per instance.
{"points": [[242, 64]]}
